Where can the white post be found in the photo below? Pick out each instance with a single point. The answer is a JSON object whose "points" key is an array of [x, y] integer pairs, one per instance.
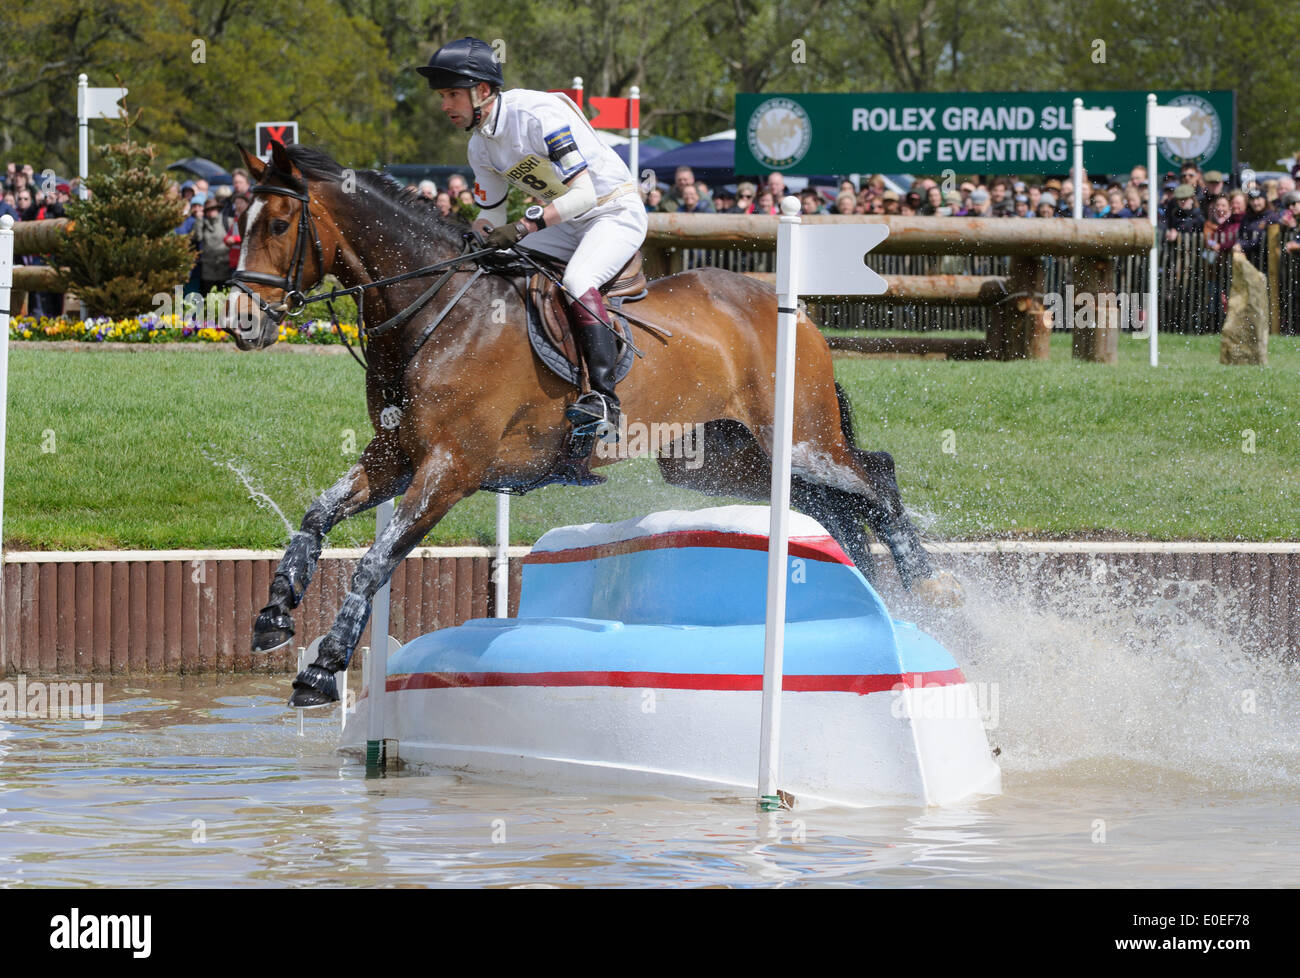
{"points": [[6, 283], [577, 87], [377, 660], [501, 562], [1153, 259], [787, 302], [634, 133], [83, 134], [1076, 123]]}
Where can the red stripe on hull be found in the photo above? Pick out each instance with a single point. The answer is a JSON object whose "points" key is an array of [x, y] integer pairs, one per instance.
{"points": [[822, 548], [861, 685]]}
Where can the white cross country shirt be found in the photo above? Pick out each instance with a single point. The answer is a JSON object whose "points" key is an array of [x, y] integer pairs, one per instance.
{"points": [[537, 142]]}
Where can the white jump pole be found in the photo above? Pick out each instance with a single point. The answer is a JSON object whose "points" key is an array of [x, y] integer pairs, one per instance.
{"points": [[6, 284], [501, 562], [634, 134], [787, 303], [377, 660], [1090, 125], [83, 134], [818, 260], [1077, 132], [1153, 259], [1163, 121]]}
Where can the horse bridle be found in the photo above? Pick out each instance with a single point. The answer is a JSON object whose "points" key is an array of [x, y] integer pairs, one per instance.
{"points": [[293, 300]]}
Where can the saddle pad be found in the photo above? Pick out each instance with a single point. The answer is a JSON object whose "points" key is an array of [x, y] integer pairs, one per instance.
{"points": [[551, 338]]}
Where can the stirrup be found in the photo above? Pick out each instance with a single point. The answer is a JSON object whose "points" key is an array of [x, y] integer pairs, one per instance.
{"points": [[588, 422]]}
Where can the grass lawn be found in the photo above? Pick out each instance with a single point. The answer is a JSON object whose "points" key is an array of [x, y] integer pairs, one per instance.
{"points": [[139, 450]]}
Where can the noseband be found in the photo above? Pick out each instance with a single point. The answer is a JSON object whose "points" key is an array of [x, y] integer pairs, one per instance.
{"points": [[293, 300]]}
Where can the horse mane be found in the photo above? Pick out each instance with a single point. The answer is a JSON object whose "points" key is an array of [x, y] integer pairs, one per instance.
{"points": [[399, 202]]}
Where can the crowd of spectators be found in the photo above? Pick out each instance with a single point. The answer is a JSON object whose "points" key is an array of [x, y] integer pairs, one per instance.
{"points": [[1191, 200]]}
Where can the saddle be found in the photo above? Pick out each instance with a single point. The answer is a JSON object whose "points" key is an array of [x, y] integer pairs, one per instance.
{"points": [[549, 329], [551, 336]]}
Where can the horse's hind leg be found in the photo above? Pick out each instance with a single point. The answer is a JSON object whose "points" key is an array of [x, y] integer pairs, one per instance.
{"points": [[433, 490], [840, 513], [379, 474]]}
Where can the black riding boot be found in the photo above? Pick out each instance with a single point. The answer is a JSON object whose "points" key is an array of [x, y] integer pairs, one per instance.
{"points": [[597, 411]]}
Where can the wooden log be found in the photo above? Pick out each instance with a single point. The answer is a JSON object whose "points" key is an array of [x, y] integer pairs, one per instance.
{"points": [[36, 278], [954, 348], [1273, 269], [38, 237], [917, 235], [953, 290], [1021, 328], [1095, 334]]}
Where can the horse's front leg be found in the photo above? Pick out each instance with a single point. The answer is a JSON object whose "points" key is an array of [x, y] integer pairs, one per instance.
{"points": [[381, 473], [432, 492]]}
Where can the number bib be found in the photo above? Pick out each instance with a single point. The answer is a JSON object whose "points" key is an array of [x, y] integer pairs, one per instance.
{"points": [[536, 177]]}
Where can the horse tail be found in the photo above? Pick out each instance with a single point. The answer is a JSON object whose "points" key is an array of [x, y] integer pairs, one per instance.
{"points": [[846, 416]]}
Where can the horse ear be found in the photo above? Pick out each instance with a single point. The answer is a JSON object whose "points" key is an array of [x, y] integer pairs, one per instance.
{"points": [[280, 157], [255, 166]]}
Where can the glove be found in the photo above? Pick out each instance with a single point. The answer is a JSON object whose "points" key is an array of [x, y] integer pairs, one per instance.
{"points": [[506, 235]]}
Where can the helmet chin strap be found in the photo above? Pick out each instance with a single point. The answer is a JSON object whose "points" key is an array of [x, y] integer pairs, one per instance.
{"points": [[478, 104]]}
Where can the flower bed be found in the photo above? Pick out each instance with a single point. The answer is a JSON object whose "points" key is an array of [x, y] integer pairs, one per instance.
{"points": [[151, 328]]}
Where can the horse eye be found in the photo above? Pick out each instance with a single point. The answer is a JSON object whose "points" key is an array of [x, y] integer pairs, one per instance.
{"points": [[279, 227]]}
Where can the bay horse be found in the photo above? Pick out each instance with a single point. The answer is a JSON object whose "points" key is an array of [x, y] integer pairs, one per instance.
{"points": [[478, 409]]}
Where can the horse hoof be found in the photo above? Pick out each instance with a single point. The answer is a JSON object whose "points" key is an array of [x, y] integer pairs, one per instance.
{"points": [[272, 630], [314, 686], [942, 590]]}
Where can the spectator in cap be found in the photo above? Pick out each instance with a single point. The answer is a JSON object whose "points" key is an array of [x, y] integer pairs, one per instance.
{"points": [[1021, 204], [1254, 226], [1214, 183], [1046, 206], [723, 200], [980, 205], [1185, 216], [954, 206], [889, 203]]}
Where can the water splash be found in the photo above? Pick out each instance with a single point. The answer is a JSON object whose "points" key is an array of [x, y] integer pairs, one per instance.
{"points": [[256, 494], [1099, 673]]}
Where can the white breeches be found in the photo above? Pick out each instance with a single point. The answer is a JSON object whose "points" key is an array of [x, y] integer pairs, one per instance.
{"points": [[595, 248]]}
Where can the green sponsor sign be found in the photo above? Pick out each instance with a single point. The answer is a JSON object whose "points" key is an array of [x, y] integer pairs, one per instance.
{"points": [[969, 132]]}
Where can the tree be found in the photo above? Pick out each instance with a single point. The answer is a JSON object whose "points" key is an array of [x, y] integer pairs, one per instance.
{"points": [[121, 251]]}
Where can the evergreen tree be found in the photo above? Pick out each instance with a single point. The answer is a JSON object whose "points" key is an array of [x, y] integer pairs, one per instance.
{"points": [[122, 249]]}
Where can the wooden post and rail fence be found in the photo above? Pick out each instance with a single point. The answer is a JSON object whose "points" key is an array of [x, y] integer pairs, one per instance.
{"points": [[1021, 325]]}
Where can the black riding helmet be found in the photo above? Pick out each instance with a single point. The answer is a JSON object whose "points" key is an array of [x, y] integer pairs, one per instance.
{"points": [[463, 64]]}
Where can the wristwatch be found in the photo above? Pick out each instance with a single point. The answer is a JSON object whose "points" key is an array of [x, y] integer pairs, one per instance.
{"points": [[534, 214]]}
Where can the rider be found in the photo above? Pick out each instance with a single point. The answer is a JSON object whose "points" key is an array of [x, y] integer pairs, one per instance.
{"points": [[541, 143]]}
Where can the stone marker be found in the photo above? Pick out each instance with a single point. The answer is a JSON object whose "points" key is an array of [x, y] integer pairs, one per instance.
{"points": [[1245, 329]]}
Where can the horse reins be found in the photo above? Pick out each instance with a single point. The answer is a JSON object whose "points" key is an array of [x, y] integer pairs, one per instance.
{"points": [[294, 302]]}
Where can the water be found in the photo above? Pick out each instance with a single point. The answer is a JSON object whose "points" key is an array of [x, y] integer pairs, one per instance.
{"points": [[1140, 747]]}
